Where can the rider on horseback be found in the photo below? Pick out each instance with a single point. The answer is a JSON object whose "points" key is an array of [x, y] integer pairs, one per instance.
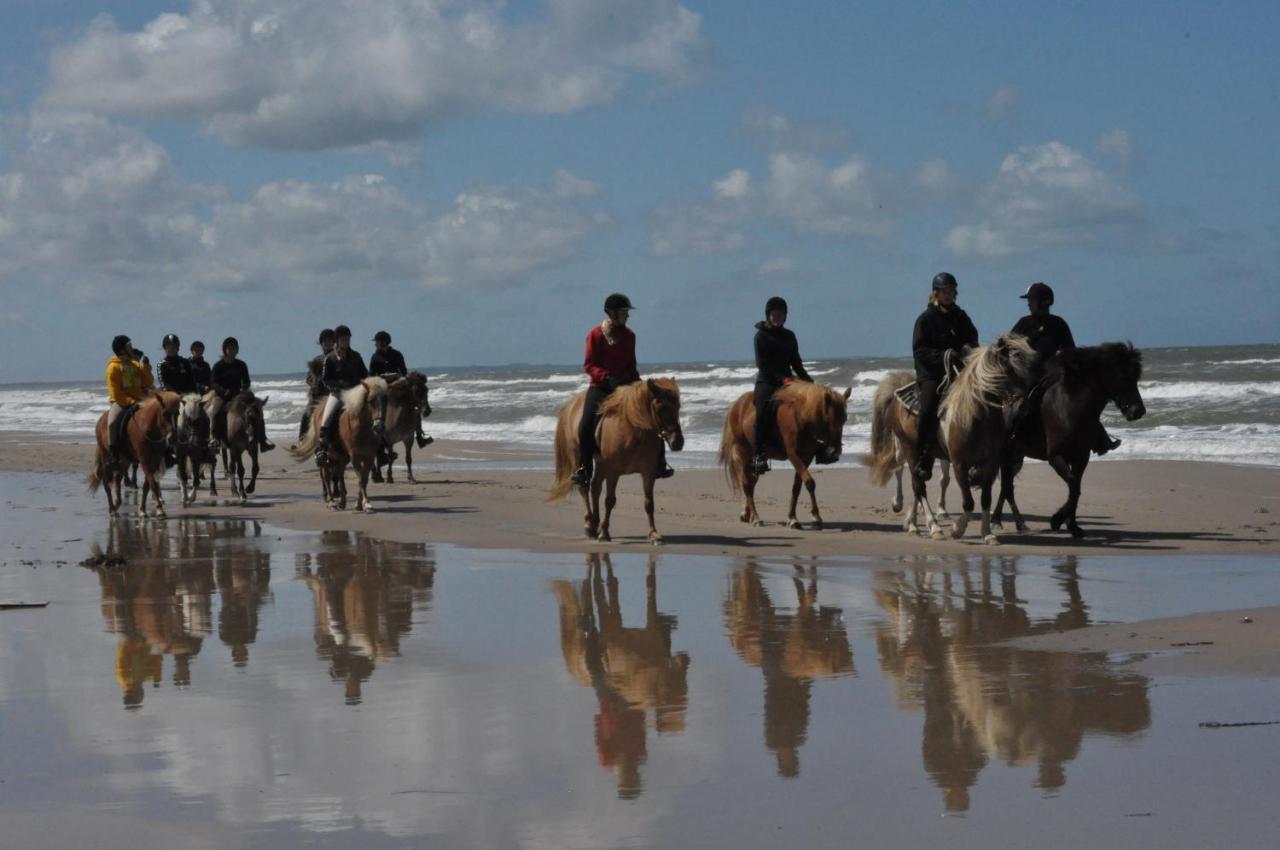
{"points": [[343, 369], [127, 384], [175, 370], [388, 361], [316, 392], [610, 360], [943, 327], [1049, 334], [777, 363], [201, 371], [230, 378]]}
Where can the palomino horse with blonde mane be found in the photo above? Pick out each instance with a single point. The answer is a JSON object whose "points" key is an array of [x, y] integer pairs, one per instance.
{"points": [[974, 418], [191, 442], [143, 441], [358, 439], [635, 420], [809, 417]]}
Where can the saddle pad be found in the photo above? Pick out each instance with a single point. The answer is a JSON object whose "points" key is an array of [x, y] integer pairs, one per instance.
{"points": [[909, 397]]}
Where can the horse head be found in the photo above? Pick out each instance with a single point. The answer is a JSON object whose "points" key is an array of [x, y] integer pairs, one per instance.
{"points": [[1121, 378], [664, 405], [193, 419], [835, 414], [420, 393]]}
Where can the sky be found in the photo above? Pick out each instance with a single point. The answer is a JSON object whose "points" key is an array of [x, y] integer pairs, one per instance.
{"points": [[476, 177]]}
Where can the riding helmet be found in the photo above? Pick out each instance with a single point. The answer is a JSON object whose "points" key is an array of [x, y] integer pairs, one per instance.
{"points": [[777, 302], [617, 301], [170, 339], [1042, 292], [382, 336], [944, 280], [342, 331], [229, 342], [118, 344], [326, 335], [197, 346]]}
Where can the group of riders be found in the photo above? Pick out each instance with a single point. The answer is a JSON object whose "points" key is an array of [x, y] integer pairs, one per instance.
{"points": [[943, 335], [337, 368]]}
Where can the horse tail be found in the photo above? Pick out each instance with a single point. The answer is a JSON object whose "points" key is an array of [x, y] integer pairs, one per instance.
{"points": [[882, 458], [728, 456], [95, 478], [566, 454], [307, 445]]}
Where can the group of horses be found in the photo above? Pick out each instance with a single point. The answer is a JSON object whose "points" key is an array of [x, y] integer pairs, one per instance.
{"points": [[377, 413], [1003, 406]]}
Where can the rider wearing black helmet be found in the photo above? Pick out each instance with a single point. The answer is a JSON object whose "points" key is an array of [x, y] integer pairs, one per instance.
{"points": [[777, 363], [316, 393], [610, 360], [230, 378], [1049, 334], [389, 363], [201, 371], [175, 370], [942, 327], [343, 369]]}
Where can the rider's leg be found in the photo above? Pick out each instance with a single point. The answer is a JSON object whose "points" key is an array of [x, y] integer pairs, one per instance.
{"points": [[218, 414], [927, 428], [113, 434], [327, 422], [763, 393], [1102, 441], [587, 435], [423, 439], [263, 443]]}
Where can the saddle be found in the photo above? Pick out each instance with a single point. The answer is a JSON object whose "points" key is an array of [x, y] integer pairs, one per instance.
{"points": [[909, 394], [115, 436]]}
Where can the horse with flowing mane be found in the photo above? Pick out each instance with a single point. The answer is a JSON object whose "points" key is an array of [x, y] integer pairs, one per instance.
{"points": [[142, 441], [974, 422], [244, 418], [635, 420], [1061, 425], [191, 440], [407, 403], [357, 444], [808, 417]]}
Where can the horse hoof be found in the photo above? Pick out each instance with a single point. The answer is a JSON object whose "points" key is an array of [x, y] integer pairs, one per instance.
{"points": [[957, 533], [1022, 528], [251, 488], [744, 517], [937, 534], [817, 525], [896, 507], [991, 540], [796, 524], [368, 509], [758, 524], [1076, 531], [655, 539], [1055, 522], [604, 537], [941, 514]]}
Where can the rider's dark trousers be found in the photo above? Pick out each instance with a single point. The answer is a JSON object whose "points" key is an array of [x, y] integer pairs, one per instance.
{"points": [[763, 393], [587, 427], [927, 425]]}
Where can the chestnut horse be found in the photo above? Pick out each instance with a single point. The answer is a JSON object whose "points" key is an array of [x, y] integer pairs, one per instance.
{"points": [[808, 417], [143, 441], [974, 422], [357, 443], [635, 420], [407, 404]]}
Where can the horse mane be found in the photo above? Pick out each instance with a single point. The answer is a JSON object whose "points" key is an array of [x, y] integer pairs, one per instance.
{"points": [[630, 403], [370, 389], [402, 390], [987, 380], [810, 399], [1095, 360]]}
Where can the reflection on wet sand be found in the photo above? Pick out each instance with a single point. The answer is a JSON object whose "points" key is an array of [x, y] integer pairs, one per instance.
{"points": [[984, 700], [364, 592], [632, 670], [792, 649]]}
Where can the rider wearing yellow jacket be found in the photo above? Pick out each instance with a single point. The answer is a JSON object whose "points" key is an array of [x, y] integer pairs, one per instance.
{"points": [[128, 382]]}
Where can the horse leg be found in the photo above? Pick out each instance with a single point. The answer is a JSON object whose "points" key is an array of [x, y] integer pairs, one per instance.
{"points": [[920, 492], [142, 503], [803, 478], [1060, 465], [812, 486], [610, 499], [244, 496], [966, 502], [253, 478], [988, 537], [153, 481], [592, 524], [408, 460], [654, 537], [1073, 494], [896, 505], [946, 481], [363, 472]]}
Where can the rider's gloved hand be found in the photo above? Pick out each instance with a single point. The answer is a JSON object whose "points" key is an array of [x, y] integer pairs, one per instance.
{"points": [[611, 382]]}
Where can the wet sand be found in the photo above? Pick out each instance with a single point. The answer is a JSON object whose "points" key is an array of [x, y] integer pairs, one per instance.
{"points": [[1128, 506]]}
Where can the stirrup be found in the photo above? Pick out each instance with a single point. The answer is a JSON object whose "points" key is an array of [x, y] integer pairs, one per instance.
{"points": [[665, 472], [266, 445], [924, 470], [423, 442], [759, 464], [379, 426], [581, 477]]}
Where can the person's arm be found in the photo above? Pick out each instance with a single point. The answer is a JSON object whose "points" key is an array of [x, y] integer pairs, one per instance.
{"points": [[115, 383], [329, 374], [1068, 341], [401, 369], [591, 360], [359, 367], [797, 364], [634, 374], [921, 350], [970, 332], [762, 363], [148, 379], [245, 383]]}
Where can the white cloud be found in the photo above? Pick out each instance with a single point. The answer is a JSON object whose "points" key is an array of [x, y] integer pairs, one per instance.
{"points": [[778, 132], [1044, 196], [1004, 103], [736, 184], [97, 209], [344, 73], [1116, 144]]}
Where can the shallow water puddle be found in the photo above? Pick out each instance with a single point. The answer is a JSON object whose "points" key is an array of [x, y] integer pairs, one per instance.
{"points": [[234, 684]]}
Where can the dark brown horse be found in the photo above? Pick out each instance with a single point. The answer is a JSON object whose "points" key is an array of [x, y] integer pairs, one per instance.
{"points": [[1062, 424], [974, 423], [634, 422], [244, 419], [808, 417], [142, 441], [407, 404], [357, 444]]}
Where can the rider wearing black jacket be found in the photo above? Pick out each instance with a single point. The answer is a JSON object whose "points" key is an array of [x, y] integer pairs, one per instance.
{"points": [[316, 392], [777, 361], [230, 378], [175, 370], [388, 361], [201, 371], [942, 327], [343, 369]]}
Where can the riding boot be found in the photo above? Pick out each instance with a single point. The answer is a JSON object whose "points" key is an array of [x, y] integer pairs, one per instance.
{"points": [[924, 465], [581, 476], [664, 468], [759, 464], [1103, 442], [423, 439], [827, 454]]}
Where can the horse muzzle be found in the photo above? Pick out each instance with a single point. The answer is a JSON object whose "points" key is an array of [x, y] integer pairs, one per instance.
{"points": [[675, 440], [1134, 411]]}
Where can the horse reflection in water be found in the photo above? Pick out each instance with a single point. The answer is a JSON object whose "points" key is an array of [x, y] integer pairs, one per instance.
{"points": [[983, 700], [364, 592], [631, 670], [792, 649]]}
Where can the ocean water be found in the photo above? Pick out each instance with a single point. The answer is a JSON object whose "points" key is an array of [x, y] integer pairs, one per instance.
{"points": [[1213, 403]]}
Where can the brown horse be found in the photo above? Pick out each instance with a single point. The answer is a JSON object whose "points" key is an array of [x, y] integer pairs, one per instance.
{"points": [[894, 449], [244, 418], [357, 444], [407, 404], [143, 441], [974, 422], [808, 417], [634, 422]]}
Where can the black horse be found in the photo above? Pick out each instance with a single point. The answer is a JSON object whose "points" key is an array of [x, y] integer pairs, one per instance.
{"points": [[1061, 424]]}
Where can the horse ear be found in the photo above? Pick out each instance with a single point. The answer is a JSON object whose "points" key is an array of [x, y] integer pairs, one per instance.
{"points": [[848, 392], [652, 385], [263, 400]]}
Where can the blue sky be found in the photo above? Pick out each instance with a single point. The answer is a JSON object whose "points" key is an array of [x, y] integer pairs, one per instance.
{"points": [[476, 177]]}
